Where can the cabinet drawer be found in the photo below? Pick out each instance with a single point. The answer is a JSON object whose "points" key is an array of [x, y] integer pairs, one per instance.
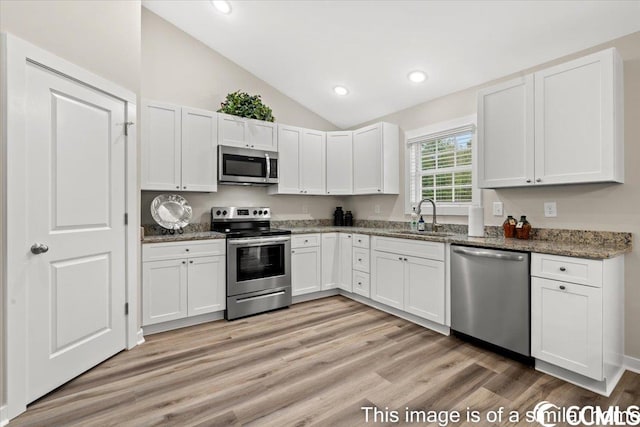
{"points": [[361, 284], [361, 259], [431, 250], [361, 241], [305, 241], [172, 250], [567, 269]]}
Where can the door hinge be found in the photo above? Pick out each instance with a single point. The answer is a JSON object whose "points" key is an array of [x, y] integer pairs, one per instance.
{"points": [[126, 308], [126, 127], [126, 219]]}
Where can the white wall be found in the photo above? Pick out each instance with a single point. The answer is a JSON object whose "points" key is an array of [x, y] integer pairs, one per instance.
{"points": [[177, 68], [606, 207]]}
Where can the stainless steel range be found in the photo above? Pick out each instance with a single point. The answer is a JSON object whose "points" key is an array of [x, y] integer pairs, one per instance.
{"points": [[258, 260]]}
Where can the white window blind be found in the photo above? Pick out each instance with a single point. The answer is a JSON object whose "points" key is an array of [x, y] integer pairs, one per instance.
{"points": [[441, 166]]}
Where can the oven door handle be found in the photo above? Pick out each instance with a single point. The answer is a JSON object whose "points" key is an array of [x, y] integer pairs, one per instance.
{"points": [[258, 241]]}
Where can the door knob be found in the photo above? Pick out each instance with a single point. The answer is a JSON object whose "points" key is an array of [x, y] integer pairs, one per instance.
{"points": [[39, 248]]}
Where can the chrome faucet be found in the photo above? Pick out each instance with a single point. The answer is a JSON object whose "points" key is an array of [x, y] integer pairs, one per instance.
{"points": [[434, 224]]}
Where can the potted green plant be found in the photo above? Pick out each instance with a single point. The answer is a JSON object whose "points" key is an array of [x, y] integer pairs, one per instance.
{"points": [[244, 105]]}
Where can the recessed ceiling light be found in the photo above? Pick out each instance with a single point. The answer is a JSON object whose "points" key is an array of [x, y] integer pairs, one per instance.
{"points": [[417, 76], [340, 90], [222, 6]]}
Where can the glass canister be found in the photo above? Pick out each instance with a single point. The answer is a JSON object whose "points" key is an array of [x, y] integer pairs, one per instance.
{"points": [[509, 227], [338, 217], [348, 219], [523, 228]]}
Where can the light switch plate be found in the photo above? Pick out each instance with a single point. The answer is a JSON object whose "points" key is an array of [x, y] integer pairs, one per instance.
{"points": [[376, 209], [497, 209], [550, 210]]}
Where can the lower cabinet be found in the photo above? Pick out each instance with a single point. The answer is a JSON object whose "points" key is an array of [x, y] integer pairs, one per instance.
{"points": [[181, 280], [409, 275], [331, 262], [346, 247], [577, 308], [306, 264]]}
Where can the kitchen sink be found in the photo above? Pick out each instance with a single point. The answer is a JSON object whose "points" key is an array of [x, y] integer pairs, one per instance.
{"points": [[423, 233]]}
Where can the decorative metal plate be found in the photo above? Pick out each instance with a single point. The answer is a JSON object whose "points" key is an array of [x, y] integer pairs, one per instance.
{"points": [[171, 211]]}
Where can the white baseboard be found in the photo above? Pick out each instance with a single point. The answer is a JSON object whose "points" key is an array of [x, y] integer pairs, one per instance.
{"points": [[4, 419], [632, 364], [140, 339], [183, 323], [315, 295]]}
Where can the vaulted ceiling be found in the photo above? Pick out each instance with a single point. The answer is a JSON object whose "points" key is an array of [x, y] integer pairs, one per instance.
{"points": [[306, 48]]}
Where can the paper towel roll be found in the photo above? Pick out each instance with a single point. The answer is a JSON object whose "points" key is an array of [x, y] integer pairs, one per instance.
{"points": [[476, 221]]}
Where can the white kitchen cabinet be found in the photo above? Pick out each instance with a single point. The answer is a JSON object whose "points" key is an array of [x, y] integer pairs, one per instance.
{"points": [[409, 275], [361, 283], [560, 125], [376, 159], [302, 161], [237, 131], [182, 280], [577, 318], [340, 163], [331, 265], [346, 248], [306, 264], [178, 148]]}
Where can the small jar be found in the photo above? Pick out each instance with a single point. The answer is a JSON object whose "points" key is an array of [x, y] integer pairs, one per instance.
{"points": [[348, 219], [509, 227], [523, 228]]}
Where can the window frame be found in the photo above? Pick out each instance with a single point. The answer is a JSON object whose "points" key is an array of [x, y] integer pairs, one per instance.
{"points": [[432, 130]]}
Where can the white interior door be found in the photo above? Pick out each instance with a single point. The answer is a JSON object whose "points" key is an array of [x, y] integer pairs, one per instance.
{"points": [[75, 205]]}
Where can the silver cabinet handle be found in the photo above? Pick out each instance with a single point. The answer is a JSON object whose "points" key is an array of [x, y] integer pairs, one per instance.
{"points": [[39, 248]]}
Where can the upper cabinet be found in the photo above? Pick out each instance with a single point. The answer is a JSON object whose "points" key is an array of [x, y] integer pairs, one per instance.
{"points": [[376, 159], [178, 148], [561, 125], [236, 131], [340, 163], [301, 157]]}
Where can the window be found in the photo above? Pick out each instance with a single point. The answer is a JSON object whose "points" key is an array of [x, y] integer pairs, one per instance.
{"points": [[440, 166]]}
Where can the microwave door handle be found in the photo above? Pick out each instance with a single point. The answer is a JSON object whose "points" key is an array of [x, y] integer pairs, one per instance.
{"points": [[268, 167]]}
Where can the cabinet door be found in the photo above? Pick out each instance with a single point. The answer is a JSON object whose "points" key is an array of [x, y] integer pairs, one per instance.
{"points": [[387, 279], [290, 138], [164, 291], [330, 260], [313, 162], [199, 145], [232, 131], [305, 270], [160, 148], [424, 289], [367, 160], [262, 135], [340, 162], [506, 134], [575, 127], [206, 280], [566, 326], [346, 262]]}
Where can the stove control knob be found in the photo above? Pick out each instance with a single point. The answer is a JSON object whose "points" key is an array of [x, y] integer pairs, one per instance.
{"points": [[260, 212], [266, 212], [224, 212], [255, 212], [218, 212]]}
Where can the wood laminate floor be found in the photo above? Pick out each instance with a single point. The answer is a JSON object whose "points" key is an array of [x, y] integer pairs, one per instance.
{"points": [[316, 363]]}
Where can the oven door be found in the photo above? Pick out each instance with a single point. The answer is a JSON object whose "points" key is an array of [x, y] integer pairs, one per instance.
{"points": [[258, 263], [239, 165]]}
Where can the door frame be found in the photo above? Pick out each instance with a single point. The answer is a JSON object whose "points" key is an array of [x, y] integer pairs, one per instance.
{"points": [[15, 55]]}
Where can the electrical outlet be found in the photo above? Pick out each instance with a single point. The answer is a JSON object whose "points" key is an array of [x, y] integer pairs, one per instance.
{"points": [[550, 209], [376, 209], [497, 209]]}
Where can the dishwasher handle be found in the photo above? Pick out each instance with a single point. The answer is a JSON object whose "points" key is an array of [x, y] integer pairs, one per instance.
{"points": [[488, 254]]}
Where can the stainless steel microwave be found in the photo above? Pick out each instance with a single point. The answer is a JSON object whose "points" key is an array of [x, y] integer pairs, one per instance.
{"points": [[247, 166]]}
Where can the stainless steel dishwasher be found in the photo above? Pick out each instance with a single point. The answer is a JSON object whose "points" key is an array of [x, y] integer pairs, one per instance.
{"points": [[490, 296]]}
